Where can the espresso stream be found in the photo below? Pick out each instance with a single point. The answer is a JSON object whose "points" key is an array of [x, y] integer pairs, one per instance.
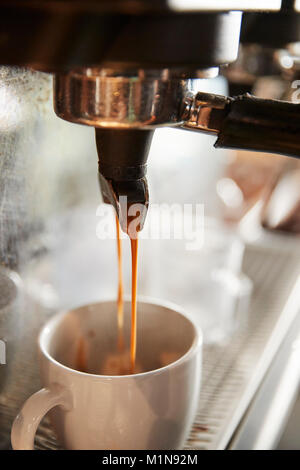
{"points": [[120, 298], [134, 258], [122, 362], [120, 301]]}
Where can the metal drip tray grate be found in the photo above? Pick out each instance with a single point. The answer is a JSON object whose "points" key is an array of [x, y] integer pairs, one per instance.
{"points": [[232, 373]]}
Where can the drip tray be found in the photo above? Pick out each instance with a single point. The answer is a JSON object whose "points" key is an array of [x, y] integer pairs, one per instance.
{"points": [[232, 373]]}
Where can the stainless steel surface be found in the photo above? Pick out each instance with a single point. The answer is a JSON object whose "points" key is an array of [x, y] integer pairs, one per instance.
{"points": [[11, 326], [205, 112], [24, 105], [268, 414], [233, 372], [40, 155], [115, 99], [290, 439], [22, 371]]}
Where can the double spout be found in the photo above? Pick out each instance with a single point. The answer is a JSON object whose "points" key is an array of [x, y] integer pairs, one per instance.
{"points": [[122, 172]]}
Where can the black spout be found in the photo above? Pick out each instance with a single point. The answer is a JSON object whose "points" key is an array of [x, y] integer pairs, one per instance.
{"points": [[122, 170]]}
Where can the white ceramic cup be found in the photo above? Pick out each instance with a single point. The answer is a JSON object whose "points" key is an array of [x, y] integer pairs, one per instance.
{"points": [[153, 409]]}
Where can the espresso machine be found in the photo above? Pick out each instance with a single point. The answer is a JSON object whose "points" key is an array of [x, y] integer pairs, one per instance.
{"points": [[127, 68]]}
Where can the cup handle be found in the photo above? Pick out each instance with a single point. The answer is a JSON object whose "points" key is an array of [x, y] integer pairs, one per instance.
{"points": [[34, 409]]}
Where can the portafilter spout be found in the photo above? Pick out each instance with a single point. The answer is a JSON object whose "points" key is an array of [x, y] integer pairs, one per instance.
{"points": [[122, 172]]}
